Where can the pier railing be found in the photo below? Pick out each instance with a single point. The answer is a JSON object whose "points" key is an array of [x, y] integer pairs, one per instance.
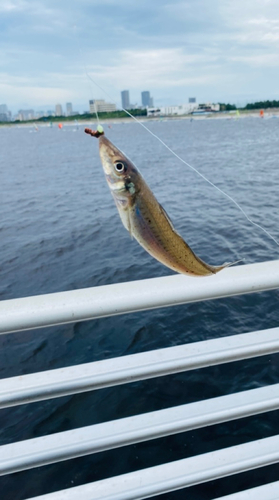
{"points": [[81, 305]]}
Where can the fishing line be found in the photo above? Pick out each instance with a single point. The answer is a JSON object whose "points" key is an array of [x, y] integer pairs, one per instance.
{"points": [[181, 159], [86, 72]]}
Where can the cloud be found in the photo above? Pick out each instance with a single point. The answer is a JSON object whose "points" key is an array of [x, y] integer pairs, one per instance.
{"points": [[160, 68], [174, 49], [258, 61], [11, 5], [23, 87]]}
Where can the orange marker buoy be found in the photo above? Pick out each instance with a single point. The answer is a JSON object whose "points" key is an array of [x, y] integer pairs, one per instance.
{"points": [[60, 125], [262, 113]]}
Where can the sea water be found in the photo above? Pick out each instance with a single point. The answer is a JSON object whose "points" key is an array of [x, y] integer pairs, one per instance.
{"points": [[60, 230]]}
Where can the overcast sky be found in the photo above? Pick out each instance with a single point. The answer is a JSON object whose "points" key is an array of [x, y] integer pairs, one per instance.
{"points": [[214, 50]]}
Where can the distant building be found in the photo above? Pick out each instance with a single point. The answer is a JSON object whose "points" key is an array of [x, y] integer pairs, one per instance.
{"points": [[146, 100], [208, 107], [58, 110], [183, 109], [101, 106], [192, 100], [26, 114], [3, 108], [69, 109], [92, 107], [125, 99], [5, 114]]}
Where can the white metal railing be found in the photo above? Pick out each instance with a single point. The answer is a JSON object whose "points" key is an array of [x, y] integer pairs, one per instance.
{"points": [[79, 305], [176, 475], [110, 300], [114, 434], [100, 374]]}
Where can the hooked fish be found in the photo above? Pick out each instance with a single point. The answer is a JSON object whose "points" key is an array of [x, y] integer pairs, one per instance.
{"points": [[144, 217]]}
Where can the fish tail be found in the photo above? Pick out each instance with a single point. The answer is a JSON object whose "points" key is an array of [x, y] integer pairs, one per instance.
{"points": [[216, 269]]}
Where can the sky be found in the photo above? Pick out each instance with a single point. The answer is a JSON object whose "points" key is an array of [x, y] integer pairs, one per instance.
{"points": [[57, 51]]}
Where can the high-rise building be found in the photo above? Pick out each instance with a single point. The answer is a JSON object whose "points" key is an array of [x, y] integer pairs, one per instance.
{"points": [[58, 110], [69, 109], [3, 108], [5, 114], [92, 106], [125, 98], [146, 100], [192, 100], [100, 106], [26, 114]]}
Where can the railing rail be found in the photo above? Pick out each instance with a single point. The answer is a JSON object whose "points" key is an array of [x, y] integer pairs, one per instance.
{"points": [[110, 300], [266, 492], [176, 475], [114, 434], [79, 305], [126, 369]]}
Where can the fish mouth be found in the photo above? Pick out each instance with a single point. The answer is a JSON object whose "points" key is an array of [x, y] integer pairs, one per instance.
{"points": [[107, 150], [108, 154]]}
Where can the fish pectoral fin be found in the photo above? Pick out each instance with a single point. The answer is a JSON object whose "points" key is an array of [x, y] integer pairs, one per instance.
{"points": [[128, 223], [124, 212]]}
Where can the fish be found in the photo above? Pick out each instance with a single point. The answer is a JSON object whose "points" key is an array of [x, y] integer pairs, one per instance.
{"points": [[143, 216]]}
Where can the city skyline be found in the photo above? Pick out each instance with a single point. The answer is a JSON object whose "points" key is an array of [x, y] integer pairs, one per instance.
{"points": [[102, 106], [95, 105], [31, 114], [50, 109], [125, 103]]}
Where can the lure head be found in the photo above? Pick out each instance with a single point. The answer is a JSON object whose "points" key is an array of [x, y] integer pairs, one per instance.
{"points": [[121, 174]]}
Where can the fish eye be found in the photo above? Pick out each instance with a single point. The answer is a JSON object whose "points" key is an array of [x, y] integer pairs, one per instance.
{"points": [[119, 166]]}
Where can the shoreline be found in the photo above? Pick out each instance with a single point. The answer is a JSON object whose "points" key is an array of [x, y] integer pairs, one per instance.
{"points": [[268, 113]]}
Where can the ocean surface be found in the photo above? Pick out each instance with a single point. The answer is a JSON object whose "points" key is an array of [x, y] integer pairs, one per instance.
{"points": [[60, 230]]}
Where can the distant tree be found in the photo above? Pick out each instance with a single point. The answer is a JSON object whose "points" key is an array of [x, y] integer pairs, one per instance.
{"points": [[262, 104], [227, 107], [89, 116]]}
